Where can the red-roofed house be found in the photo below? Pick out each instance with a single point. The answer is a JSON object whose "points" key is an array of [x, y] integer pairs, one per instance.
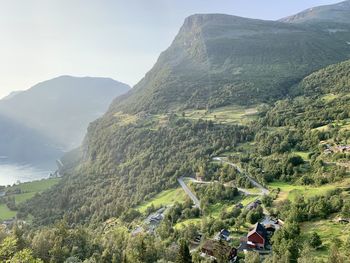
{"points": [[257, 237]]}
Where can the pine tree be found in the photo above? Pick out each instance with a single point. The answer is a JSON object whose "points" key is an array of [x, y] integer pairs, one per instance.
{"points": [[183, 255]]}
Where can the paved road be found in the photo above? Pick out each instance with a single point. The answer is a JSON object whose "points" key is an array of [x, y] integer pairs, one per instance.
{"points": [[263, 190], [243, 190], [188, 192]]}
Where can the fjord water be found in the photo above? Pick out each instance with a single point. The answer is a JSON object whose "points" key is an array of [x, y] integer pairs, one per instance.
{"points": [[11, 173]]}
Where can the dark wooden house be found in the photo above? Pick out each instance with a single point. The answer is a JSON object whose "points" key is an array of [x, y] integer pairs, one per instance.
{"points": [[217, 249]]}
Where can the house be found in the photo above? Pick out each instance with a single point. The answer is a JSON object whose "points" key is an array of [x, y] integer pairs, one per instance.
{"points": [[254, 205], [239, 205], [197, 239], [155, 219], [218, 249], [257, 237], [224, 234]]}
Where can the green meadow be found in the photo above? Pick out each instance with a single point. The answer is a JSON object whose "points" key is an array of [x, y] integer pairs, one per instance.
{"points": [[28, 190]]}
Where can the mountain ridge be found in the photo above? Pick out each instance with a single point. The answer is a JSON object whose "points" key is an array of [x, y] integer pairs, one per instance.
{"points": [[218, 59], [60, 109]]}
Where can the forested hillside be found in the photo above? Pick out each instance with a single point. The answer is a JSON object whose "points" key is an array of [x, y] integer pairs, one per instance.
{"points": [[128, 163], [128, 158], [261, 96], [139, 153], [314, 124]]}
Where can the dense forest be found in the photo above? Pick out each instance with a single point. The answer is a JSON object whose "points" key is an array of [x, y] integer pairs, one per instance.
{"points": [[125, 164]]}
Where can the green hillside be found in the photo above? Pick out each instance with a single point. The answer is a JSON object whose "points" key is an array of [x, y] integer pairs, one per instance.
{"points": [[261, 93], [130, 154]]}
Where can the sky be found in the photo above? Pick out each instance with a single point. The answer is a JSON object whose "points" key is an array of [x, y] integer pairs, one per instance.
{"points": [[121, 39]]}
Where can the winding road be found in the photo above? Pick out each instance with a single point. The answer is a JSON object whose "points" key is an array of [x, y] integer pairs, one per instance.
{"points": [[188, 192], [264, 191], [243, 190]]}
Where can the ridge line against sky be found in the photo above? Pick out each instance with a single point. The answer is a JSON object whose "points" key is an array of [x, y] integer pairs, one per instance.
{"points": [[122, 40]]}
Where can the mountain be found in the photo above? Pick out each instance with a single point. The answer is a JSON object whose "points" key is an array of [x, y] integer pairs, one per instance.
{"points": [[145, 141], [334, 20], [217, 60], [61, 108], [336, 13]]}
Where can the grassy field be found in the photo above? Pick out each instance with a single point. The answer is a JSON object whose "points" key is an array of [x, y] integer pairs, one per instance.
{"points": [[228, 115], [327, 229], [193, 221], [28, 190], [343, 125], [165, 198], [329, 97], [31, 188], [304, 155], [125, 119], [289, 191], [6, 213]]}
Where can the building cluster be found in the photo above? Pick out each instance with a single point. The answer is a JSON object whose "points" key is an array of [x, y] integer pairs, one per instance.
{"points": [[335, 149], [151, 222], [257, 239]]}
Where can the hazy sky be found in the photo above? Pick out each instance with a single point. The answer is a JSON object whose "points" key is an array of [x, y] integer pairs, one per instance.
{"points": [[121, 39]]}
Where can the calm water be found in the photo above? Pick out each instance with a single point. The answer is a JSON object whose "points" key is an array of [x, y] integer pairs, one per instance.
{"points": [[11, 173]]}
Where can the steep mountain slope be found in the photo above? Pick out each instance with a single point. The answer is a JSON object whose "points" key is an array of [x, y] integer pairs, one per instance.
{"points": [[62, 108], [331, 19], [217, 60], [336, 13]]}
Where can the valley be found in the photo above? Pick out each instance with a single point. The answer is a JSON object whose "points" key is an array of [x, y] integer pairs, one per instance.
{"points": [[234, 147]]}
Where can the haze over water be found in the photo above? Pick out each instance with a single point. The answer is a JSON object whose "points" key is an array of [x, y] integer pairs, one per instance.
{"points": [[11, 173]]}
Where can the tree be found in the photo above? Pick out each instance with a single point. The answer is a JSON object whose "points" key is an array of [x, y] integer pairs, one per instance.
{"points": [[306, 255], [252, 257], [8, 248], [183, 255], [315, 240], [26, 256]]}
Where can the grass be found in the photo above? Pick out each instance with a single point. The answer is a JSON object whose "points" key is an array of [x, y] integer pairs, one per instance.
{"points": [[327, 229], [165, 198], [329, 97], [6, 213], [248, 199], [187, 222], [125, 119], [227, 115], [304, 155], [290, 191], [342, 124], [28, 190]]}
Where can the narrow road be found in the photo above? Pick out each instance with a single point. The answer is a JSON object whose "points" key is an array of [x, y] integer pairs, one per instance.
{"points": [[188, 192], [243, 190], [263, 190]]}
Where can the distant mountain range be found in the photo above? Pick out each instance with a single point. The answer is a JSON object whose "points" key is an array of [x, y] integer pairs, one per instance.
{"points": [[52, 116]]}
